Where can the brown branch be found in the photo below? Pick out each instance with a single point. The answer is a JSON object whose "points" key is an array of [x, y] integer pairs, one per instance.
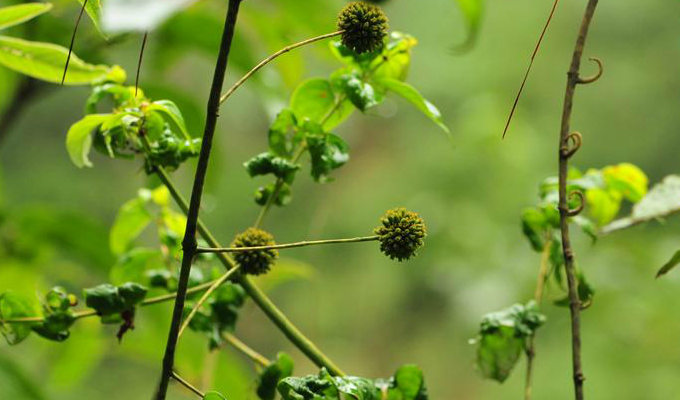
{"points": [[189, 243], [573, 79]]}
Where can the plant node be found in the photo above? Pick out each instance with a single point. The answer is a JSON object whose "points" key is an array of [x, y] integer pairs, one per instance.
{"points": [[401, 234], [364, 26], [255, 262]]}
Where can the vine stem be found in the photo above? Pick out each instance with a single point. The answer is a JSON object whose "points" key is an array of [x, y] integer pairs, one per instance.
{"points": [[186, 384], [287, 245], [73, 41], [204, 298], [271, 58], [306, 346], [573, 79], [189, 243]]}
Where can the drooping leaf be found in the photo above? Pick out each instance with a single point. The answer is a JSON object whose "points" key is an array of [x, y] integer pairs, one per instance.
{"points": [[328, 152], [272, 374], [79, 138], [534, 227], [672, 263], [502, 337], [412, 95], [109, 300], [93, 8], [283, 134], [20, 13], [45, 61], [472, 11], [13, 306], [131, 220]]}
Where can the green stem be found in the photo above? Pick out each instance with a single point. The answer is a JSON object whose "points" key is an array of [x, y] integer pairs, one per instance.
{"points": [[189, 243], [245, 349], [306, 346], [187, 385], [287, 245]]}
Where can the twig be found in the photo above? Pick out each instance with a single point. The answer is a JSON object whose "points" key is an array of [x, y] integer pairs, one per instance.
{"points": [[73, 40], [272, 58], [531, 64], [565, 153], [189, 243], [186, 384], [139, 64], [205, 297], [245, 349], [287, 245], [530, 348], [306, 346]]}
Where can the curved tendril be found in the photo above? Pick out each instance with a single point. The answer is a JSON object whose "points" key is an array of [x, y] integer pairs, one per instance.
{"points": [[593, 78], [582, 203], [572, 144]]}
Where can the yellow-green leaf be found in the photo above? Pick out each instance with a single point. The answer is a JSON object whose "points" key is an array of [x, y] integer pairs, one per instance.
{"points": [[15, 15], [46, 61], [79, 138]]}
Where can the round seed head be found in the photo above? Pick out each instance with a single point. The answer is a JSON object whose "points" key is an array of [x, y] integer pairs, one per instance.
{"points": [[255, 262], [401, 233], [364, 26]]}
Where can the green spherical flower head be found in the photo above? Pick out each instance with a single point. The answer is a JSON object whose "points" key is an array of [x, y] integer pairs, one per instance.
{"points": [[364, 26], [401, 234], [255, 262]]}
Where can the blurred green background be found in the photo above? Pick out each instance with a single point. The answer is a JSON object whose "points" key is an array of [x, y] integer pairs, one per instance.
{"points": [[368, 313]]}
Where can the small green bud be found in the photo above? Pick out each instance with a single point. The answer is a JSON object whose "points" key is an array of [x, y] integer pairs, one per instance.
{"points": [[255, 262], [364, 26], [401, 234]]}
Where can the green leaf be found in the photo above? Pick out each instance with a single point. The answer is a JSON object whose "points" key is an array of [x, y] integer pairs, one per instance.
{"points": [[212, 395], [14, 306], [131, 220], [268, 163], [534, 227], [410, 383], [315, 100], [15, 15], [94, 11], [360, 93], [170, 110], [410, 93], [272, 374], [79, 138], [46, 61], [109, 300], [311, 387], [672, 263], [395, 59], [587, 226], [472, 11], [283, 137], [662, 201], [358, 388], [502, 336], [328, 152]]}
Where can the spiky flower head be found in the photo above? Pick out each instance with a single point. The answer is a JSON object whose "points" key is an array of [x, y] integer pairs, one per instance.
{"points": [[401, 234], [364, 26], [255, 262]]}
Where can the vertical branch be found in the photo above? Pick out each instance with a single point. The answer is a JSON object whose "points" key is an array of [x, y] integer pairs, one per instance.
{"points": [[565, 154], [189, 243]]}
